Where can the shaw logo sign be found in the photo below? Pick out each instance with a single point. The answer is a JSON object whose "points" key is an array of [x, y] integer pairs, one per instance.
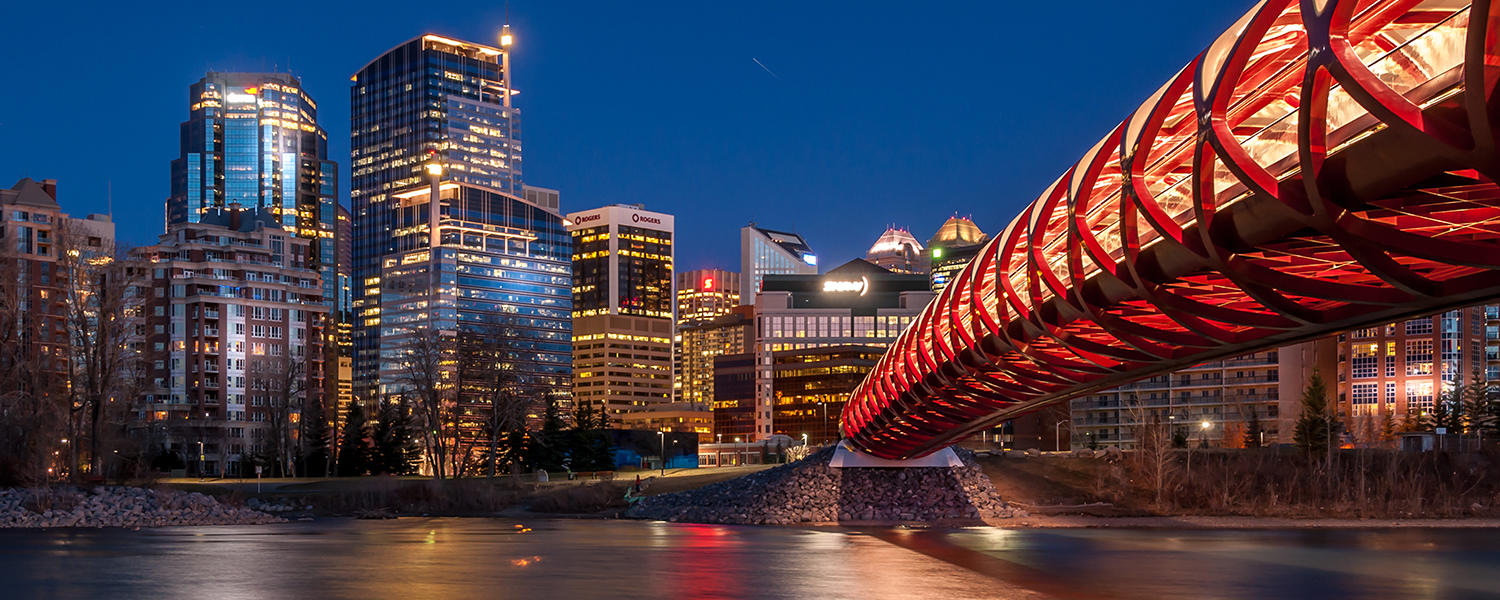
{"points": [[640, 218], [838, 286]]}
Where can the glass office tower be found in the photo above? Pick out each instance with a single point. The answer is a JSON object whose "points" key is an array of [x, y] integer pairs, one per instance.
{"points": [[504, 283], [253, 139], [430, 100]]}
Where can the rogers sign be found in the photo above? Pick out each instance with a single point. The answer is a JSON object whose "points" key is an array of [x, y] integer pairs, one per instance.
{"points": [[640, 218], [587, 218]]}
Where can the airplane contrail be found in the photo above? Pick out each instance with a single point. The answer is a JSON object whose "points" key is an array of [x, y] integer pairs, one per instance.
{"points": [[767, 69]]}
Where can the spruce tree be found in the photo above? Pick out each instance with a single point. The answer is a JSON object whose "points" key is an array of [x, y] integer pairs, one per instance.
{"points": [[315, 454], [354, 450], [1253, 429], [1317, 423], [396, 451]]}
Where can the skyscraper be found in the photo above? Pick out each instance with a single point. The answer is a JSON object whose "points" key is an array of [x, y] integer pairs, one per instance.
{"points": [[956, 242], [703, 295], [253, 139], [897, 251], [622, 307], [769, 252], [429, 101]]}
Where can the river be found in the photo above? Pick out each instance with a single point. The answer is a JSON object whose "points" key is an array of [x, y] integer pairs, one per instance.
{"points": [[566, 559]]}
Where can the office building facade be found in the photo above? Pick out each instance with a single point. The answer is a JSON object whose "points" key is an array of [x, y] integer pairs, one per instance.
{"points": [[431, 102], [856, 304], [770, 252], [622, 307], [496, 280], [1405, 368]]}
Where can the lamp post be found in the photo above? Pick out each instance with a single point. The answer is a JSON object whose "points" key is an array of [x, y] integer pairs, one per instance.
{"points": [[1057, 435], [804, 440], [663, 435], [200, 460]]}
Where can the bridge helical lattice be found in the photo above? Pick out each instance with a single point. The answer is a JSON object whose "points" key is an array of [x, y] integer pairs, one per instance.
{"points": [[1323, 165]]}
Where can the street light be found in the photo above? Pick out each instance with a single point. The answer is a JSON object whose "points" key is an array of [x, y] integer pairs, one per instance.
{"points": [[1057, 435], [663, 435], [804, 440]]}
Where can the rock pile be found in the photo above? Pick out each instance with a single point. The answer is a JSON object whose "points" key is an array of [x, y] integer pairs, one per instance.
{"points": [[119, 507], [809, 491]]}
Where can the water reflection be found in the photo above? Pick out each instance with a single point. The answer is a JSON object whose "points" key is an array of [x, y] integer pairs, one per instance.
{"points": [[425, 558]]}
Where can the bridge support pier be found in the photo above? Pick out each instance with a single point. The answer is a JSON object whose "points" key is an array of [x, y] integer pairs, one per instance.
{"points": [[846, 455]]}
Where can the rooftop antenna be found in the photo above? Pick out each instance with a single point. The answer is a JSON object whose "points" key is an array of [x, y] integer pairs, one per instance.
{"points": [[109, 198]]}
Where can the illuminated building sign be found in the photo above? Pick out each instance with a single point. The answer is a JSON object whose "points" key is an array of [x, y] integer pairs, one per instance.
{"points": [[708, 283], [811, 259], [640, 218], [588, 219], [846, 287]]}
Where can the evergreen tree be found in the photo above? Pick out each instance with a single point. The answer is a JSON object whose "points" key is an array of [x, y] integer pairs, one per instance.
{"points": [[1388, 427], [396, 449], [1179, 437], [549, 448], [1253, 429], [354, 448], [315, 451], [1478, 416], [1314, 429]]}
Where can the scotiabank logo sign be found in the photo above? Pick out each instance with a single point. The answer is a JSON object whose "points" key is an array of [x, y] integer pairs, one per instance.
{"points": [[588, 219], [640, 218]]}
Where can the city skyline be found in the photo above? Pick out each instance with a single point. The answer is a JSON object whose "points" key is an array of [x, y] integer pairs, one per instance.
{"points": [[694, 122]]}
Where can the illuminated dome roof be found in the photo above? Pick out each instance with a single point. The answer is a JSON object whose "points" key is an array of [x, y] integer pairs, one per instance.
{"points": [[895, 242], [958, 231]]}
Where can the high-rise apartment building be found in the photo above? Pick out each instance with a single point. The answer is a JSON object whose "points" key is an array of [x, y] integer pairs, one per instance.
{"points": [[898, 252], [769, 252], [810, 386], [431, 102], [622, 307], [35, 236], [253, 139], [956, 243], [1211, 402], [233, 338]]}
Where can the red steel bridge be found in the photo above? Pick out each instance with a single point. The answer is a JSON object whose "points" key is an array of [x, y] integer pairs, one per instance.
{"points": [[1324, 165]]}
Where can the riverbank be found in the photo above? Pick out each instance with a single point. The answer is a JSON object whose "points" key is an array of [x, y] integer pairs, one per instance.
{"points": [[110, 506]]}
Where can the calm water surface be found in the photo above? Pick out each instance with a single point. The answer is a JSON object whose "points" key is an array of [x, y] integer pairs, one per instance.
{"points": [[562, 559]]}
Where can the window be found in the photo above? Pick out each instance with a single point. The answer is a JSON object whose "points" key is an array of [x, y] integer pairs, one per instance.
{"points": [[1419, 326], [1364, 363], [1419, 356], [1365, 393]]}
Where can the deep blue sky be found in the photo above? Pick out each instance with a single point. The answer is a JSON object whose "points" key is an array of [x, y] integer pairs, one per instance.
{"points": [[879, 113]]}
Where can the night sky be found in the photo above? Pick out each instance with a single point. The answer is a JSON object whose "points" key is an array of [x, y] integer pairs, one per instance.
{"points": [[865, 113]]}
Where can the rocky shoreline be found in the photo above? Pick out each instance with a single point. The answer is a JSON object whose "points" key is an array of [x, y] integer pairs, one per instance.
{"points": [[809, 491], [119, 507]]}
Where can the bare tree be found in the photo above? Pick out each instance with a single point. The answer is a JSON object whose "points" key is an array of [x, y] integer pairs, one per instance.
{"points": [[281, 381], [428, 386], [102, 309], [490, 388], [1152, 458], [33, 399]]}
